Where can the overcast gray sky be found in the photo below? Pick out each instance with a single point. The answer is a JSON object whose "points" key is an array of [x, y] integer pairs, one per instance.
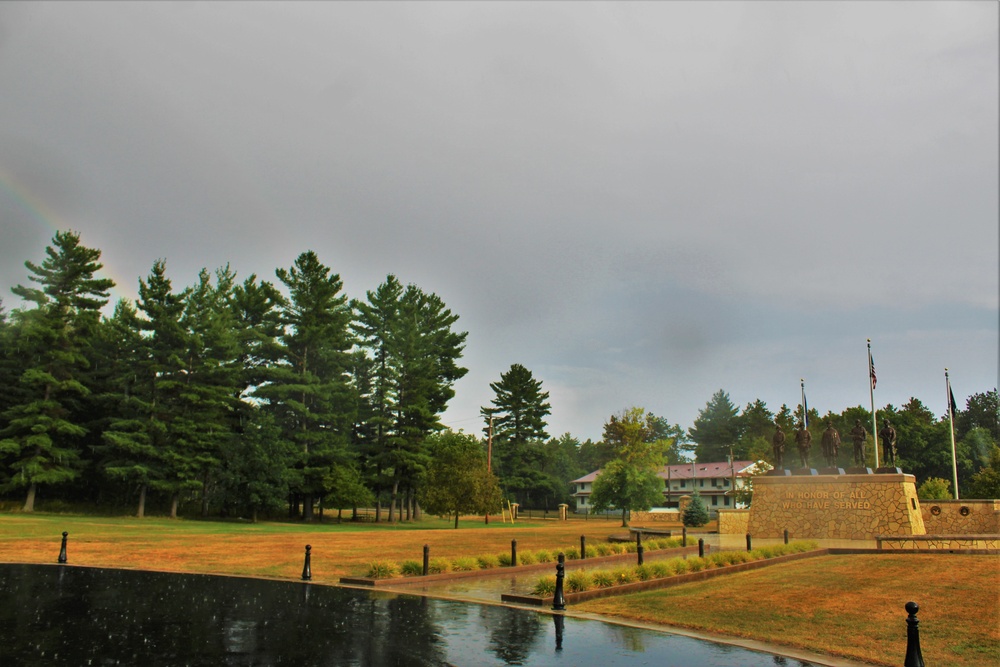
{"points": [[642, 203]]}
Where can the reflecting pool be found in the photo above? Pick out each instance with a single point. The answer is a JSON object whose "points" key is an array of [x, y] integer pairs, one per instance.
{"points": [[63, 615]]}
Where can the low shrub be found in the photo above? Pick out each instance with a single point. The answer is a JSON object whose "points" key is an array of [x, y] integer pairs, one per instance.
{"points": [[644, 572], [604, 549], [504, 559], [488, 562], [382, 569], [438, 566], [572, 553], [411, 568], [543, 556], [591, 552], [659, 569], [627, 547], [465, 564], [526, 558]]}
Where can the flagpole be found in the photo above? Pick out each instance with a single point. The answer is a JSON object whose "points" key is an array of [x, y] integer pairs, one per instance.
{"points": [[951, 431], [871, 395]]}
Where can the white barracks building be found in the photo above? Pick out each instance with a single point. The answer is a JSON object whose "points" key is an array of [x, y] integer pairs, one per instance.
{"points": [[716, 483]]}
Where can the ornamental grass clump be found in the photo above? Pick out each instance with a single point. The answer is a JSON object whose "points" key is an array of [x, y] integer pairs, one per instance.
{"points": [[488, 562], [465, 564], [696, 564], [572, 553], [411, 568], [438, 566], [579, 581], [526, 558], [504, 559], [545, 586], [623, 575], [543, 556], [603, 579], [591, 552], [382, 569], [604, 549]]}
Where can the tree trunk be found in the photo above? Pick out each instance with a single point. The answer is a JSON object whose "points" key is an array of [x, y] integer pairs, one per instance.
{"points": [[409, 504], [378, 506], [456, 519], [293, 506], [624, 520], [29, 502], [416, 509], [175, 500], [141, 512], [307, 507], [204, 495], [392, 501], [253, 516]]}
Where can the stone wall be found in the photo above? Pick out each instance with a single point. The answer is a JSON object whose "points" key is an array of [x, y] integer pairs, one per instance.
{"points": [[852, 507], [961, 517], [734, 522], [941, 542]]}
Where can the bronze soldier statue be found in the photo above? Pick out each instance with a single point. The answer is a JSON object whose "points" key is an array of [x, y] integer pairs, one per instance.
{"points": [[778, 446], [888, 435], [858, 435], [831, 444], [803, 438]]}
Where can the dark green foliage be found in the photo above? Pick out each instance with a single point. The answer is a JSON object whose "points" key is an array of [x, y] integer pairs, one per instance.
{"points": [[695, 514], [716, 428], [629, 481], [42, 424]]}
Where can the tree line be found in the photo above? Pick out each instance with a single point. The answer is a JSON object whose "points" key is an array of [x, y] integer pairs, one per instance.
{"points": [[252, 396]]}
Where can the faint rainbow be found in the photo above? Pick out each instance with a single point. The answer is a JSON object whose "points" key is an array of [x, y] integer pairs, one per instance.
{"points": [[41, 213]]}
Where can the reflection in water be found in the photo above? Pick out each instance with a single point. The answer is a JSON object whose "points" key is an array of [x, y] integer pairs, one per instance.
{"points": [[513, 634], [64, 615]]}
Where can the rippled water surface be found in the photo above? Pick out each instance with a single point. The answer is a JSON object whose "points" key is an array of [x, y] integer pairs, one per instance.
{"points": [[63, 615]]}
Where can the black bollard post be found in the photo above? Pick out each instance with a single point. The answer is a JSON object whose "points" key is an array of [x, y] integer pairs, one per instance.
{"points": [[701, 547], [638, 546], [749, 545], [307, 573], [913, 656], [684, 536], [583, 547], [786, 536], [559, 599], [427, 559], [62, 549], [513, 553]]}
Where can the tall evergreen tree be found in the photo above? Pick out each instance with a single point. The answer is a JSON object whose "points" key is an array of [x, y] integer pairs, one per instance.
{"points": [[310, 392], [716, 428], [518, 412], [38, 440]]}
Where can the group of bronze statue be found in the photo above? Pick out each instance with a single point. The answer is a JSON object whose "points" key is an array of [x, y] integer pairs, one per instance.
{"points": [[831, 444]]}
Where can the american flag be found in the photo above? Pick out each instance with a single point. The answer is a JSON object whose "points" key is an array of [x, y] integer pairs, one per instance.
{"points": [[871, 369]]}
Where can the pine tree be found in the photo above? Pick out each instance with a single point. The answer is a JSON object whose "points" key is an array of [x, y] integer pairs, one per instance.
{"points": [[695, 514], [310, 393], [40, 434], [518, 412], [716, 429]]}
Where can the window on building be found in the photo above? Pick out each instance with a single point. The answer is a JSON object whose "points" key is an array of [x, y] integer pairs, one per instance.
{"points": [[683, 483], [715, 500], [714, 481], [701, 482], [725, 482], [726, 503]]}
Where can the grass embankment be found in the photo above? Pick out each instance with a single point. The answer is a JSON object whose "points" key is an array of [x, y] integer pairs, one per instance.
{"points": [[272, 549], [850, 606]]}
